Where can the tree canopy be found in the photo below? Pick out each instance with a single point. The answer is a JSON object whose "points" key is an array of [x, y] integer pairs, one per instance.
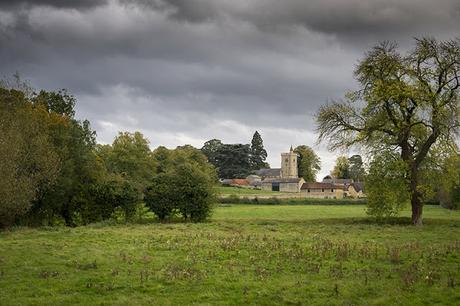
{"points": [[258, 152], [356, 168], [406, 103], [308, 163], [341, 168], [28, 160]]}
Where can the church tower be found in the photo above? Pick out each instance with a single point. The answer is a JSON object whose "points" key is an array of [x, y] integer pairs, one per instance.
{"points": [[289, 165]]}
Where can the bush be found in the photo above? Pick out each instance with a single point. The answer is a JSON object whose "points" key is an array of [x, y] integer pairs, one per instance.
{"points": [[186, 190], [100, 200], [196, 193], [161, 196]]}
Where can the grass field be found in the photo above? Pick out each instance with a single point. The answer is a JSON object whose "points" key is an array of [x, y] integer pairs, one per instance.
{"points": [[247, 254]]}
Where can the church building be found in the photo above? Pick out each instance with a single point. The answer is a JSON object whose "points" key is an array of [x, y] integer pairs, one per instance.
{"points": [[284, 179]]}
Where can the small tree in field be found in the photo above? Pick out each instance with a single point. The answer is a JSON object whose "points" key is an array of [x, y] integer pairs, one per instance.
{"points": [[183, 186], [162, 195], [406, 104]]}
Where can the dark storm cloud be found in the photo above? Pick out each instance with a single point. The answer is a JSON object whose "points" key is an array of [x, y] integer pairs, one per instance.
{"points": [[76, 4], [349, 20], [184, 71]]}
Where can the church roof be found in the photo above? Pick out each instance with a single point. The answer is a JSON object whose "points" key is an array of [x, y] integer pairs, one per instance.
{"points": [[359, 186], [268, 172], [317, 185], [338, 181], [282, 180]]}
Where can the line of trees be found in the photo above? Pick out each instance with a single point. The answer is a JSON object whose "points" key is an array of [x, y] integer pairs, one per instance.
{"points": [[52, 171]]}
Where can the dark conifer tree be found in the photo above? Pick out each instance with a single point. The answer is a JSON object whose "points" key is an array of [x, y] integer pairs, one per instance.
{"points": [[258, 153]]}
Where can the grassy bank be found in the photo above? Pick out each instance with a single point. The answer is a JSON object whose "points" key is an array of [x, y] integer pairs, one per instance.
{"points": [[247, 254]]}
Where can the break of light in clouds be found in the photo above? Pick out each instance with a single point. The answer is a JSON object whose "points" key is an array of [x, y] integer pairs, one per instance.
{"points": [[186, 71]]}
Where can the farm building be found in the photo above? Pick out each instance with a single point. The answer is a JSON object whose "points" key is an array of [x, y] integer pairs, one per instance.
{"points": [[282, 184]]}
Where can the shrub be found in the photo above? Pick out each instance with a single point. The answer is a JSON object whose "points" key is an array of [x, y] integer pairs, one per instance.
{"points": [[161, 197], [100, 200], [196, 193], [186, 190]]}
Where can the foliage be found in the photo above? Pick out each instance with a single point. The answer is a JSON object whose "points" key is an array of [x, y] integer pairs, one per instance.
{"points": [[258, 153], [408, 102], [184, 185], [196, 193], [356, 169], [233, 160], [28, 160], [98, 201], [131, 157], [449, 188], [308, 163], [59, 102], [386, 186], [210, 149], [236, 160], [74, 143], [341, 168], [162, 196]]}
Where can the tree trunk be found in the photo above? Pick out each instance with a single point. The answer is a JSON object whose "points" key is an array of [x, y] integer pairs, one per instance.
{"points": [[417, 207]]}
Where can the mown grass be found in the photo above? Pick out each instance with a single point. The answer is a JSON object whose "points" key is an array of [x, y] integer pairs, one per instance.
{"points": [[247, 254]]}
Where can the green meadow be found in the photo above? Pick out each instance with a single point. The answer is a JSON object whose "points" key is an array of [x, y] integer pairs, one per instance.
{"points": [[245, 255]]}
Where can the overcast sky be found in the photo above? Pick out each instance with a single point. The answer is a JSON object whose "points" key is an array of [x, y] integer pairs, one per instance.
{"points": [[186, 71]]}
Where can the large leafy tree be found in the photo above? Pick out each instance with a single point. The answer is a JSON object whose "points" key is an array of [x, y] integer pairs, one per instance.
{"points": [[230, 160], [210, 149], [406, 103], [258, 152], [28, 160], [341, 168], [184, 184], [356, 169], [308, 163], [74, 142], [131, 157], [233, 160]]}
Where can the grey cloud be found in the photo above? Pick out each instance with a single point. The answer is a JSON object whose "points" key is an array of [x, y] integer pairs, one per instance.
{"points": [[76, 4], [349, 20], [191, 70]]}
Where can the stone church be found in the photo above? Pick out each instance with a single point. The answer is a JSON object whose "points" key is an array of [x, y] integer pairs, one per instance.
{"points": [[284, 179]]}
